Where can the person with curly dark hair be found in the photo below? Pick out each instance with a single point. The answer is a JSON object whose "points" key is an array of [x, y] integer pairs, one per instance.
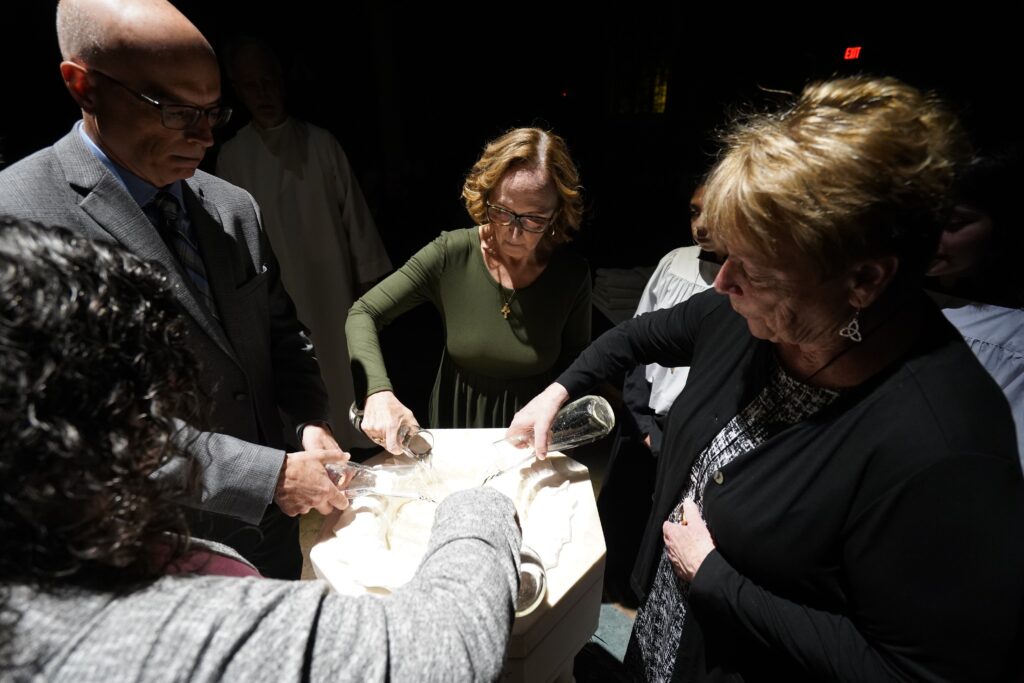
{"points": [[95, 371], [99, 579]]}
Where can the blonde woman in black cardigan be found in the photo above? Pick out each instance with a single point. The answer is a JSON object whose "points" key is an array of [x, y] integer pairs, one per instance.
{"points": [[838, 495]]}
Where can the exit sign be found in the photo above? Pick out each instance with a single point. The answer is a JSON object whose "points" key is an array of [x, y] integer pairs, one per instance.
{"points": [[852, 53]]}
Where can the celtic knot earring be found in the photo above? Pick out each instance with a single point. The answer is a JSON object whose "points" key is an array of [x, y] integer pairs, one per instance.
{"points": [[851, 330]]}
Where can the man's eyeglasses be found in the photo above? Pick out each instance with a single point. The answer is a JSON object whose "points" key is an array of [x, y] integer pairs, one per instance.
{"points": [[178, 116], [526, 223]]}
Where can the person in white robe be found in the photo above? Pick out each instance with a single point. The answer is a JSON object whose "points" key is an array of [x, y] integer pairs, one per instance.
{"points": [[313, 212], [648, 393]]}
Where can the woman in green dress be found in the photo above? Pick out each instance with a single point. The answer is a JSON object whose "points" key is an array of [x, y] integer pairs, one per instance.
{"points": [[515, 307]]}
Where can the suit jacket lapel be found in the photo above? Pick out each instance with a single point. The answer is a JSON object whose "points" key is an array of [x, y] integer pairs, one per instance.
{"points": [[209, 231], [108, 203]]}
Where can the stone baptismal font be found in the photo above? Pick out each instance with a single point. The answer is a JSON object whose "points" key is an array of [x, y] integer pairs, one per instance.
{"points": [[376, 545]]}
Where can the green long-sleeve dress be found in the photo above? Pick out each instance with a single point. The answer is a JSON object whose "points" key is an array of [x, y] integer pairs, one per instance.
{"points": [[491, 365]]}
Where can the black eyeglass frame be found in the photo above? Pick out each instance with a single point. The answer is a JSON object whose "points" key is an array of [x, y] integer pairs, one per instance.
{"points": [[517, 218], [216, 116]]}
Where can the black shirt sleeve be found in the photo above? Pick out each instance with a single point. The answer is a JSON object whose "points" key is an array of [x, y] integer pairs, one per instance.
{"points": [[666, 337]]}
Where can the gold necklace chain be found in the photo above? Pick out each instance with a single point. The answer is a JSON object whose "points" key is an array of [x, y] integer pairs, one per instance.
{"points": [[506, 303]]}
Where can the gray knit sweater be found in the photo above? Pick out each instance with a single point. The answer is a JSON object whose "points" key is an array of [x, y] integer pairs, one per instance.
{"points": [[451, 623]]}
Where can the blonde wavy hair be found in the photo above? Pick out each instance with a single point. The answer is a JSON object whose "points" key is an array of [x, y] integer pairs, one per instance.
{"points": [[857, 167], [529, 148]]}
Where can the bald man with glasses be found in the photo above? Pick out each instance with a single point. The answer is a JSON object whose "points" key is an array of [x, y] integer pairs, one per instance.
{"points": [[148, 86]]}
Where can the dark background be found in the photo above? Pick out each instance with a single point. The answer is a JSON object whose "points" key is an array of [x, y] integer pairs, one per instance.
{"points": [[413, 93]]}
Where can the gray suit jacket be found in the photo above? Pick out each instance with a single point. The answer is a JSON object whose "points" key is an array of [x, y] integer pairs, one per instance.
{"points": [[255, 360]]}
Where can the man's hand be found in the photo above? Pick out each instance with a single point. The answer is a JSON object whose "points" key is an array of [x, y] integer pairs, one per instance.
{"points": [[305, 484], [317, 436]]}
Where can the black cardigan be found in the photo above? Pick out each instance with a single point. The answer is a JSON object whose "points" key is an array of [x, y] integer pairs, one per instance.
{"points": [[882, 538]]}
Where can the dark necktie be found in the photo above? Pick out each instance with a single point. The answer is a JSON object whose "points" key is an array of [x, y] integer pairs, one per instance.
{"points": [[172, 228]]}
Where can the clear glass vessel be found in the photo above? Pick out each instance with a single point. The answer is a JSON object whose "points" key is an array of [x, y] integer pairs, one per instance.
{"points": [[416, 443], [583, 421], [397, 481], [533, 582]]}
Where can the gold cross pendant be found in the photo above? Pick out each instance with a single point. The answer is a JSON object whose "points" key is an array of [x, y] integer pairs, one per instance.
{"points": [[505, 310]]}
